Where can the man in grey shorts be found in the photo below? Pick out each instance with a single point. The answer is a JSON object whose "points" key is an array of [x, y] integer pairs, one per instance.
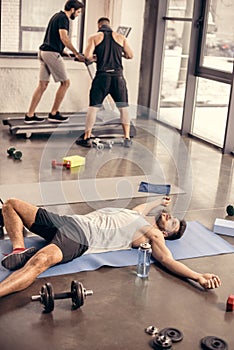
{"points": [[70, 236], [51, 62]]}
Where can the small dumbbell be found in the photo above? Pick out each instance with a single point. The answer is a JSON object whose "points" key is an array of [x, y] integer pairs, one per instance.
{"points": [[230, 303], [12, 152], [96, 143], [164, 338], [161, 342], [66, 164], [230, 210], [77, 294], [152, 330]]}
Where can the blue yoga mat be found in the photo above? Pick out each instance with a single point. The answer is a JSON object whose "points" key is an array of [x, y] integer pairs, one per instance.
{"points": [[197, 241], [153, 188]]}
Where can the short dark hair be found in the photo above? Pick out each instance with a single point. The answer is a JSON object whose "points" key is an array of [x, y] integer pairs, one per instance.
{"points": [[73, 4], [103, 19], [179, 233]]}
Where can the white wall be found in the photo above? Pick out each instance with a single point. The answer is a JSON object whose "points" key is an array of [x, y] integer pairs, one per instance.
{"points": [[132, 15], [19, 77]]}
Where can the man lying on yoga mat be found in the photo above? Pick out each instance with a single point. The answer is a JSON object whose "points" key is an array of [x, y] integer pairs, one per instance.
{"points": [[70, 236]]}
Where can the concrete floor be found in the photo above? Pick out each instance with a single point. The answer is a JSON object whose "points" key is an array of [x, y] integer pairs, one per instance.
{"points": [[122, 305]]}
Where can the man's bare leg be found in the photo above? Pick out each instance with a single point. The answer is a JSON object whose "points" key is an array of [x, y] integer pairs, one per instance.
{"points": [[125, 120], [37, 97], [64, 85], [16, 215], [23, 278], [90, 121]]}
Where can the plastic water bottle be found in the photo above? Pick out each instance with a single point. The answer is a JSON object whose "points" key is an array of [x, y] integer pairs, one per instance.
{"points": [[144, 254]]}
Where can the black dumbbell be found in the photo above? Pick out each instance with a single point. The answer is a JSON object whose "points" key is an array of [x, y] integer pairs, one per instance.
{"points": [[163, 339], [212, 343], [12, 152], [174, 334], [230, 210], [77, 294], [161, 342]]}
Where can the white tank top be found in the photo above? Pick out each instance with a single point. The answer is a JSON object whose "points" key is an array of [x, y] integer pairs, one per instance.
{"points": [[110, 228]]}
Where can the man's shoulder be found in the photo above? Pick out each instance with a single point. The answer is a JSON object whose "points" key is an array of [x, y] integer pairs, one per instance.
{"points": [[119, 35], [154, 232], [98, 35], [119, 38], [95, 39], [60, 17]]}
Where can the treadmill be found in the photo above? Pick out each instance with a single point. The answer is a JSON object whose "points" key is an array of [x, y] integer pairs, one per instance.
{"points": [[107, 123]]}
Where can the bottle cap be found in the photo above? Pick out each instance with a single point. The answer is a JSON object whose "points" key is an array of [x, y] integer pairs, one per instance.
{"points": [[145, 245]]}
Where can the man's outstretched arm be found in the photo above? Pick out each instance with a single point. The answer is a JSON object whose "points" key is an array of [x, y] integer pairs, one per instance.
{"points": [[146, 208], [67, 42], [163, 255]]}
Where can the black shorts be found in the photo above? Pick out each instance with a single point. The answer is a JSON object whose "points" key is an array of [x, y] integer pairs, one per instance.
{"points": [[52, 227], [107, 83]]}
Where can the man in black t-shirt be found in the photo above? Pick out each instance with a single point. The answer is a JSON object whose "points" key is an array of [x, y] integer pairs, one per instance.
{"points": [[51, 61]]}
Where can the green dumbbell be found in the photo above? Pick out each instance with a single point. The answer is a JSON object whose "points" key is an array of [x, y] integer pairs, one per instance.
{"points": [[12, 152], [230, 210]]}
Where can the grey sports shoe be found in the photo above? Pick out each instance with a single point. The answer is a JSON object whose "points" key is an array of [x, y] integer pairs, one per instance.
{"points": [[127, 143], [15, 261]]}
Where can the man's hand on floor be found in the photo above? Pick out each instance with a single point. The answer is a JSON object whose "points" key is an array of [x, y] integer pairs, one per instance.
{"points": [[209, 281]]}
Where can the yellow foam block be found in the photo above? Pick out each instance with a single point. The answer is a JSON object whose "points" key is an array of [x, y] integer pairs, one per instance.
{"points": [[74, 160]]}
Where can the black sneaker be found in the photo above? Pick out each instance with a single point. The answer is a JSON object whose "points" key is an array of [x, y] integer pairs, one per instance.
{"points": [[1, 223], [84, 143], [34, 119], [15, 261], [127, 143], [57, 118]]}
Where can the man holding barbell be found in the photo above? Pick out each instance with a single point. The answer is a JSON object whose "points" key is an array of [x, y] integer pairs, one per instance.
{"points": [[70, 236]]}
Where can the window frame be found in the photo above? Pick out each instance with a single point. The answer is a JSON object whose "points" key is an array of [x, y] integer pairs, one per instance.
{"points": [[22, 29], [201, 70]]}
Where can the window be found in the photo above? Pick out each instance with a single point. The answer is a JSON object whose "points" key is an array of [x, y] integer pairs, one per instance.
{"points": [[211, 109], [219, 36], [212, 116], [23, 24], [176, 49]]}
